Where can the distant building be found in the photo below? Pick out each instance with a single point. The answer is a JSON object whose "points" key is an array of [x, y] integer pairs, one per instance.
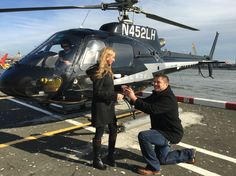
{"points": [[18, 55]]}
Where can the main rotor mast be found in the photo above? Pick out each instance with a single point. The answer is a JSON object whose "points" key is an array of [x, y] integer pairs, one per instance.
{"points": [[124, 17]]}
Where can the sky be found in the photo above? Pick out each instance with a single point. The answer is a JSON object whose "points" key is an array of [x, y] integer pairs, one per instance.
{"points": [[23, 31]]}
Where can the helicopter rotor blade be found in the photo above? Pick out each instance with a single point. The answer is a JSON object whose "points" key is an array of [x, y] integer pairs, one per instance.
{"points": [[165, 20], [50, 8], [120, 5], [103, 6]]}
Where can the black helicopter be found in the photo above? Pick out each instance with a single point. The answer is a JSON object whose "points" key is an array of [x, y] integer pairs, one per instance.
{"points": [[139, 56]]}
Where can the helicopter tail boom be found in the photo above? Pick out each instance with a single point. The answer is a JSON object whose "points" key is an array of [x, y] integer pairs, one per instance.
{"points": [[182, 61], [213, 46], [210, 58]]}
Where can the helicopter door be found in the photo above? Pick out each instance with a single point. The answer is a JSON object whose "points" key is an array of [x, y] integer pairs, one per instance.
{"points": [[91, 53], [124, 58]]}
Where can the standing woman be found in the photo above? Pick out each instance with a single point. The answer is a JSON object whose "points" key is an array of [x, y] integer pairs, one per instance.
{"points": [[103, 106]]}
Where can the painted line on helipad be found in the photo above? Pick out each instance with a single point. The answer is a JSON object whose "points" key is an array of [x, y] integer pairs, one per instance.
{"points": [[70, 121], [47, 134], [85, 125], [198, 170], [92, 129], [6, 97], [78, 125], [216, 155], [37, 109]]}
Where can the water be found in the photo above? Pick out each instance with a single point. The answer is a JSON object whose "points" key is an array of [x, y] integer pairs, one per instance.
{"points": [[190, 83]]}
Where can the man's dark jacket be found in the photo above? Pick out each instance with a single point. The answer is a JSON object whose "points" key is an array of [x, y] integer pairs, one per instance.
{"points": [[163, 109]]}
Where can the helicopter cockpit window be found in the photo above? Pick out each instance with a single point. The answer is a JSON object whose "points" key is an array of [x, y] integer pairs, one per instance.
{"points": [[141, 50], [54, 52], [124, 55], [91, 53]]}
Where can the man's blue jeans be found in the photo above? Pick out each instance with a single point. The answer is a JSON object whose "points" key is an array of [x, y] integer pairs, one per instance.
{"points": [[156, 150]]}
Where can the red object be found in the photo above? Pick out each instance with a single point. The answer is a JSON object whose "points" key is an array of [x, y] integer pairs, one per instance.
{"points": [[230, 105], [3, 59], [189, 100]]}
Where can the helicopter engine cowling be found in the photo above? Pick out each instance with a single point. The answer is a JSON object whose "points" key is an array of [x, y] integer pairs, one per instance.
{"points": [[162, 42], [142, 33]]}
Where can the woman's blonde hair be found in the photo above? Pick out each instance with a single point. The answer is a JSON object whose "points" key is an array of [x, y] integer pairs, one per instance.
{"points": [[104, 67]]}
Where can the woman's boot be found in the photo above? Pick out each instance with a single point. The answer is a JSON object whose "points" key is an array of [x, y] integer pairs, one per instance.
{"points": [[97, 161], [111, 150]]}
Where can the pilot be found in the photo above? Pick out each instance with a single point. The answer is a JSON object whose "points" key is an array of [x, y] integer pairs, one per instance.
{"points": [[65, 54]]}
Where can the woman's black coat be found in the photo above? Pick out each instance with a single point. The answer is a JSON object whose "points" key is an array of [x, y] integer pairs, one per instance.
{"points": [[103, 102]]}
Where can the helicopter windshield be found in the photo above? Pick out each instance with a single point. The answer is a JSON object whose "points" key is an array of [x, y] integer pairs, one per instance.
{"points": [[57, 52], [91, 53]]}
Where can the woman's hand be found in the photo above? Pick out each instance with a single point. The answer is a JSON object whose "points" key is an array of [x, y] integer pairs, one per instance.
{"points": [[120, 96]]}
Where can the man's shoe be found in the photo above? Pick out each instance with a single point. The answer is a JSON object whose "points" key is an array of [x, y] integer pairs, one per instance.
{"points": [[144, 171], [193, 160]]}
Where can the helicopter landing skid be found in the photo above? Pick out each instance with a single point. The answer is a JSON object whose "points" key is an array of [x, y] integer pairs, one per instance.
{"points": [[66, 108]]}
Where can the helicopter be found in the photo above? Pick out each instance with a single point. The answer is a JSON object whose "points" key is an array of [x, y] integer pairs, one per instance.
{"points": [[139, 56]]}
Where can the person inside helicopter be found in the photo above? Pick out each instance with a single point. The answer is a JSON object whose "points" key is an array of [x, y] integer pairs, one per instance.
{"points": [[65, 57]]}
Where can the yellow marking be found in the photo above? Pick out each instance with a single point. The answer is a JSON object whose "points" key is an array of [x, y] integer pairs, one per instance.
{"points": [[20, 141], [31, 138], [3, 145], [127, 114], [52, 133]]}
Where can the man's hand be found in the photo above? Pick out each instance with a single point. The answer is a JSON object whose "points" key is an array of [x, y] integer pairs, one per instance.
{"points": [[128, 91], [67, 62]]}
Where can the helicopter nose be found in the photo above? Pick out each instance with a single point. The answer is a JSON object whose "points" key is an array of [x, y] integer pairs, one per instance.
{"points": [[7, 81], [29, 83], [14, 82]]}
